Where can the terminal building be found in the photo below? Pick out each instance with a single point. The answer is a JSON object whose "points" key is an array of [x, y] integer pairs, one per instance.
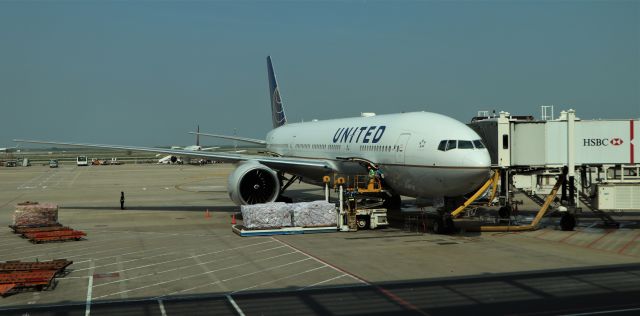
{"points": [[601, 157]]}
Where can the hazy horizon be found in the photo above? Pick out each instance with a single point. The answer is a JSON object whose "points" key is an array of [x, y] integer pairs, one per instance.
{"points": [[146, 73]]}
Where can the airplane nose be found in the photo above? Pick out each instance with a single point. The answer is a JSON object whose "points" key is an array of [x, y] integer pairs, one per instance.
{"points": [[479, 158]]}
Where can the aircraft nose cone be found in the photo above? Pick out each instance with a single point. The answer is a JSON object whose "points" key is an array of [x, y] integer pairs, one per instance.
{"points": [[479, 158], [479, 165]]}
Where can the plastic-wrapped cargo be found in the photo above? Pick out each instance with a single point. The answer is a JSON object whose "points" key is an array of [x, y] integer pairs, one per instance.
{"points": [[267, 215], [35, 214], [314, 214]]}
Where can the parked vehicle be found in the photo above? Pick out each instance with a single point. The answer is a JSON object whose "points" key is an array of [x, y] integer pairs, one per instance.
{"points": [[82, 161]]}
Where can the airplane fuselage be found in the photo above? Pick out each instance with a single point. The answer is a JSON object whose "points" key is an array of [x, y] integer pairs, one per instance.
{"points": [[404, 146]]}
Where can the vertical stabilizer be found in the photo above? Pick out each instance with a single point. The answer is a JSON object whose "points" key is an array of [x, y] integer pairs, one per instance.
{"points": [[277, 110], [198, 136]]}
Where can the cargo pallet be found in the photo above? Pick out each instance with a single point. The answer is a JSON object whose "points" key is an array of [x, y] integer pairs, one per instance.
{"points": [[25, 230], [58, 265], [58, 235], [18, 228], [244, 232], [55, 232], [19, 280], [19, 276]]}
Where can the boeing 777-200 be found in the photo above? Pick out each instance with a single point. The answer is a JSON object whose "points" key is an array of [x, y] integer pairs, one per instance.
{"points": [[420, 154]]}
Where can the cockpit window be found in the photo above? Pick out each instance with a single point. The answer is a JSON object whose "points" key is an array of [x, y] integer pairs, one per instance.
{"points": [[451, 144], [443, 145], [478, 143], [465, 144]]}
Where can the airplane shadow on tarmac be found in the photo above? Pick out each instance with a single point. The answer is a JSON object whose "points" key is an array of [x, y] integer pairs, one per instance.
{"points": [[602, 289]]}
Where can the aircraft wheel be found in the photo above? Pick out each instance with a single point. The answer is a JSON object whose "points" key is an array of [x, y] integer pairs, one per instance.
{"points": [[504, 212], [438, 226], [568, 222], [450, 226]]}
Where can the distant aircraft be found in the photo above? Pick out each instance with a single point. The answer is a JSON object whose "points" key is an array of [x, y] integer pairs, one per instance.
{"points": [[421, 154], [174, 159], [9, 149], [197, 146]]}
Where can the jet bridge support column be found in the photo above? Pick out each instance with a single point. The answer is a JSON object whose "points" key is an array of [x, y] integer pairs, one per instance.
{"points": [[571, 124]]}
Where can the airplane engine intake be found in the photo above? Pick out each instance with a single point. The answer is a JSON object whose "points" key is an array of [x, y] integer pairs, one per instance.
{"points": [[253, 183]]}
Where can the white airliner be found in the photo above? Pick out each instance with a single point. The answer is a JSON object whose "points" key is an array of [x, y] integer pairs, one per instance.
{"points": [[174, 159], [197, 146], [421, 154], [9, 149]]}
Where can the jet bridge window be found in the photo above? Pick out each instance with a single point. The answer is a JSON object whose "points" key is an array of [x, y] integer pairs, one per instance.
{"points": [[478, 143], [465, 144]]}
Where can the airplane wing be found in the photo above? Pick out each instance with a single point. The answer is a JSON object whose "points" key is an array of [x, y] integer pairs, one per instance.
{"points": [[242, 139], [274, 162]]}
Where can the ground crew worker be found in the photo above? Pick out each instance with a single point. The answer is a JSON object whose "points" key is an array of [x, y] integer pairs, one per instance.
{"points": [[122, 200], [372, 175]]}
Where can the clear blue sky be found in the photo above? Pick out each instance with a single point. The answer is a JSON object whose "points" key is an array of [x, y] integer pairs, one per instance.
{"points": [[145, 73]]}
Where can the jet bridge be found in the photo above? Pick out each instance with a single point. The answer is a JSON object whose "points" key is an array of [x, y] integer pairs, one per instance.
{"points": [[600, 155]]}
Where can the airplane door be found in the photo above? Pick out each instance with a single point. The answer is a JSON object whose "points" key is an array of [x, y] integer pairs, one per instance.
{"points": [[401, 147]]}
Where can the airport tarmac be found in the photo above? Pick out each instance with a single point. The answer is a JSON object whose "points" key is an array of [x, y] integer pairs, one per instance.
{"points": [[162, 256]]}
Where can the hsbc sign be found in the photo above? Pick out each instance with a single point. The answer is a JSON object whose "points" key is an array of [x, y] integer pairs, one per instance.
{"points": [[599, 142]]}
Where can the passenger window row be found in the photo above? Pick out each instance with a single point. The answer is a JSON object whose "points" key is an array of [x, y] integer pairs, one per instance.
{"points": [[317, 146], [461, 144]]}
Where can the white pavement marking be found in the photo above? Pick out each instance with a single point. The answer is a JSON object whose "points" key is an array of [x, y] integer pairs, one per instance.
{"points": [[191, 257], [278, 279], [163, 312], [28, 182], [189, 266], [211, 276], [57, 254], [156, 233], [233, 303], [87, 310], [97, 252], [241, 276], [122, 285], [74, 178], [322, 262], [126, 261], [93, 242], [322, 282], [71, 278]]}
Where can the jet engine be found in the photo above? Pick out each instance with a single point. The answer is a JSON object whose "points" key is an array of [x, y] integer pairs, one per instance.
{"points": [[253, 183]]}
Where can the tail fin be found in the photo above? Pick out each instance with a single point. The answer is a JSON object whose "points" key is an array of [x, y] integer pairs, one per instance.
{"points": [[198, 136], [277, 110]]}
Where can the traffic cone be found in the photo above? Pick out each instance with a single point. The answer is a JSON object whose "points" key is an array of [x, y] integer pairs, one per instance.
{"points": [[233, 219], [207, 214]]}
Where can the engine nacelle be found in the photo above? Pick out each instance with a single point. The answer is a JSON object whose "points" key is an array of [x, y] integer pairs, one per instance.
{"points": [[253, 183]]}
